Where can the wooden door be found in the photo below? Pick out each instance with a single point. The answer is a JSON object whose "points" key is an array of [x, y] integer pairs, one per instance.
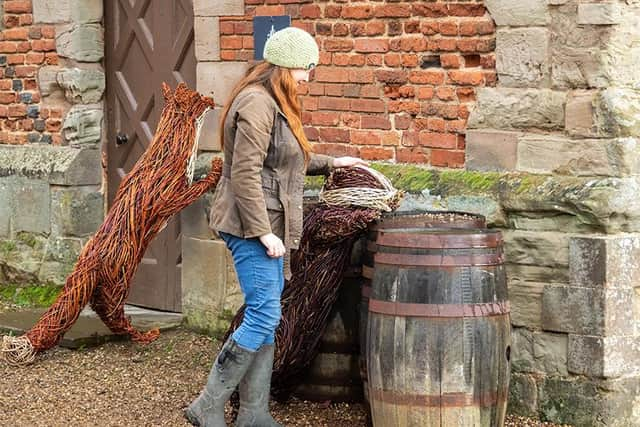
{"points": [[147, 42]]}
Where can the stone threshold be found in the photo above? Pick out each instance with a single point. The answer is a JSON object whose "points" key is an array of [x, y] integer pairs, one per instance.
{"points": [[89, 331]]}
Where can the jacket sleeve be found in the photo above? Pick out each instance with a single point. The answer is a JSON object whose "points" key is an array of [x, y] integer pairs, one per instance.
{"points": [[319, 164], [254, 121]]}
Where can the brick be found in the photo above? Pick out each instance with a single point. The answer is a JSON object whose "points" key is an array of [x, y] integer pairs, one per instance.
{"points": [[425, 93], [394, 28], [393, 11], [270, 10], [429, 28], [436, 124], [337, 149], [361, 76], [448, 28], [437, 10], [374, 59], [7, 97], [319, 118], [230, 42], [331, 103], [8, 47], [372, 45], [6, 84], [323, 29], [338, 45], [331, 75], [455, 126], [361, 11], [350, 120], [17, 6], [411, 155], [375, 28], [24, 47], [309, 103], [370, 91], [473, 78], [459, 9], [17, 110], [48, 32], [432, 77], [391, 76], [413, 44], [26, 70], [375, 122], [45, 45], [11, 21], [25, 19], [404, 106], [376, 153], [368, 105], [392, 60], [16, 34], [334, 135], [445, 45], [410, 60], [340, 29], [450, 60], [446, 93], [438, 140], [15, 59], [412, 27], [410, 139], [447, 158], [332, 11], [357, 60], [333, 90], [365, 138], [310, 11], [325, 58]]}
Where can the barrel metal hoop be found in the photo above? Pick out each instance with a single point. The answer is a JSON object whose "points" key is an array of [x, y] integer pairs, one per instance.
{"points": [[366, 291], [410, 260], [394, 308], [445, 400], [439, 241], [367, 272]]}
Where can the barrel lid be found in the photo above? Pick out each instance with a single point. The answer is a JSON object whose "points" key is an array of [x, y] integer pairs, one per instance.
{"points": [[439, 238], [429, 218]]}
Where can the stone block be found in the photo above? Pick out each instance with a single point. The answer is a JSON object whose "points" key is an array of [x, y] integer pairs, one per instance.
{"points": [[207, 36], [48, 81], [82, 86], [605, 357], [537, 274], [194, 222], [617, 112], [85, 11], [85, 168], [550, 154], [605, 261], [209, 290], [588, 311], [512, 108], [579, 114], [83, 125], [30, 205], [218, 7], [84, 42], [21, 258], [516, 13], [621, 58], [76, 211], [491, 150], [536, 248], [51, 11], [217, 79], [566, 223], [483, 205], [577, 51], [522, 57], [539, 352], [523, 395], [599, 13], [526, 302], [209, 138], [60, 256]]}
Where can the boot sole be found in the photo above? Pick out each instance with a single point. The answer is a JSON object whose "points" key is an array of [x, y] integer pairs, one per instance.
{"points": [[191, 417]]}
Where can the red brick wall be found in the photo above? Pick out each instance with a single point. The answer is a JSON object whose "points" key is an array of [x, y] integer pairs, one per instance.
{"points": [[24, 48], [396, 79]]}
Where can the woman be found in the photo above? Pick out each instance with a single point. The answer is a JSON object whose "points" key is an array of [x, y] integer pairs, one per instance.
{"points": [[257, 211]]}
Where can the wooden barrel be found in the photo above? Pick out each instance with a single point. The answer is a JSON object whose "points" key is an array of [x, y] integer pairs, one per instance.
{"points": [[438, 344], [334, 373], [407, 219]]}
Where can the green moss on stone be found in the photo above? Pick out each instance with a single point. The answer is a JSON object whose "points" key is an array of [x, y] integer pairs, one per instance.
{"points": [[30, 296], [313, 182], [7, 246], [28, 239], [410, 178], [465, 182]]}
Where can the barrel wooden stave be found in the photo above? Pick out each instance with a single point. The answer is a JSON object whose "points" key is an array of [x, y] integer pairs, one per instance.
{"points": [[420, 371]]}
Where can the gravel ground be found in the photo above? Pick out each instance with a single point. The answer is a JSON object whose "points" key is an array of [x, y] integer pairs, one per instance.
{"points": [[125, 384]]}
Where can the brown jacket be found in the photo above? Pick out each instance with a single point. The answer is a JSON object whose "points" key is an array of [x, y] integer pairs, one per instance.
{"points": [[262, 181]]}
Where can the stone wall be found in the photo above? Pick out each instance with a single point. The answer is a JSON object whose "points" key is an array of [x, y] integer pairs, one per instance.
{"points": [[51, 115]]}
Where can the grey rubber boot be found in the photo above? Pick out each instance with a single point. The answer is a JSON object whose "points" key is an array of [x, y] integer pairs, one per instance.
{"points": [[207, 410], [255, 388]]}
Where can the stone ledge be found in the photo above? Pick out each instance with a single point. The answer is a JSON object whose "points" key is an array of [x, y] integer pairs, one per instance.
{"points": [[57, 165]]}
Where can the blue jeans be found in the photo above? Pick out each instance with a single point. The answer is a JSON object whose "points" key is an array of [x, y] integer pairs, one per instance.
{"points": [[261, 281]]}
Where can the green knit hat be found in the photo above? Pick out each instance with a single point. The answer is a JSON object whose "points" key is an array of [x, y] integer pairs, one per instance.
{"points": [[292, 48]]}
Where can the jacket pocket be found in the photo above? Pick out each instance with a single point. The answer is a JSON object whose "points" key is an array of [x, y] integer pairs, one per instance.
{"points": [[275, 211]]}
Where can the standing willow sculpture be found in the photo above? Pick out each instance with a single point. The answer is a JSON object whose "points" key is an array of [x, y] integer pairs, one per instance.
{"points": [[352, 199], [159, 185]]}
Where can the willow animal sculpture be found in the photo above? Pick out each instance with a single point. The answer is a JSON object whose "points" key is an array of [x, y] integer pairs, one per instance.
{"points": [[351, 200], [159, 185]]}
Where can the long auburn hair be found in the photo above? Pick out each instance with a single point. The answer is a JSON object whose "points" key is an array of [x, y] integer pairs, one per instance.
{"points": [[282, 87]]}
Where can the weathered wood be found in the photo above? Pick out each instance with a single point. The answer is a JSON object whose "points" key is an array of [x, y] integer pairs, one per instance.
{"points": [[438, 335], [409, 220]]}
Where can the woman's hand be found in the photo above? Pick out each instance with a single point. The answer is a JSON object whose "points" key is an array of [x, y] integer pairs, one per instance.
{"points": [[344, 162], [275, 247]]}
